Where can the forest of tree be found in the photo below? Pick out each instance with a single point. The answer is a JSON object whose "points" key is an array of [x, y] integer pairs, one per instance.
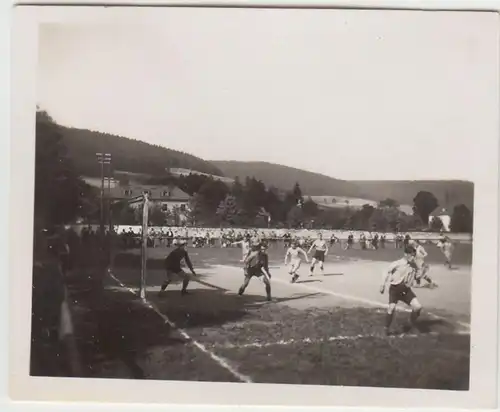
{"points": [[251, 204], [315, 184], [127, 154], [61, 196]]}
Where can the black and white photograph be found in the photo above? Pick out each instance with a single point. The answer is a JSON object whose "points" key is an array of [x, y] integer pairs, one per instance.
{"points": [[262, 196]]}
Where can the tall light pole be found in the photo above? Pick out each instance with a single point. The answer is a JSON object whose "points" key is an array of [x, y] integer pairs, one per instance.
{"points": [[102, 159], [110, 180]]}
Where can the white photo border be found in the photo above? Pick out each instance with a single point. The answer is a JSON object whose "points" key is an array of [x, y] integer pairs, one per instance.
{"points": [[483, 368]]}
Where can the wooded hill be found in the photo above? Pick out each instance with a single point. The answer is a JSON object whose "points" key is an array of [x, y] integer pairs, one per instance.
{"points": [[128, 154], [315, 184]]}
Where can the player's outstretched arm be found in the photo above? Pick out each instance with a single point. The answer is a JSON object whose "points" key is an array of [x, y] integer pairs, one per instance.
{"points": [[305, 255], [385, 278], [189, 264]]}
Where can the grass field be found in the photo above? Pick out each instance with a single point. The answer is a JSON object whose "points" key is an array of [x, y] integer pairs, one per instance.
{"points": [[324, 330]]}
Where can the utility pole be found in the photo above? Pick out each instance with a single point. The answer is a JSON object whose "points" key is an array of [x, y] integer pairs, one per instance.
{"points": [[102, 159], [110, 181]]}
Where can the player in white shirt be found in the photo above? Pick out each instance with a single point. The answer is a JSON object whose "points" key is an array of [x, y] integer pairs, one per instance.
{"points": [[320, 247], [400, 276], [446, 247], [245, 247], [295, 253], [422, 267]]}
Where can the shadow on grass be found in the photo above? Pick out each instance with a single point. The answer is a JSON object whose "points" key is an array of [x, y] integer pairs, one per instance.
{"points": [[116, 326], [212, 307]]}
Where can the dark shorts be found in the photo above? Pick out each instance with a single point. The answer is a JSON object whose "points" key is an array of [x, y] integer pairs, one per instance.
{"points": [[401, 293], [251, 272], [319, 255], [172, 272]]}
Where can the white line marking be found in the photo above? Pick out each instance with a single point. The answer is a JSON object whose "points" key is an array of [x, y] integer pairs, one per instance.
{"points": [[221, 361], [325, 340], [351, 297]]}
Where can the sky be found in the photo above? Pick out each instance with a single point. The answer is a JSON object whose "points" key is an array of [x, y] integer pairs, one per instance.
{"points": [[350, 94]]}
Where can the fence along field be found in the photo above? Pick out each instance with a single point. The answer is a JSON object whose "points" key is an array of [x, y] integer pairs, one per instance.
{"points": [[216, 232]]}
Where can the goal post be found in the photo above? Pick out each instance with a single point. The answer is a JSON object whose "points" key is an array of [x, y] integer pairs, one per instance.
{"points": [[144, 245], [144, 203]]}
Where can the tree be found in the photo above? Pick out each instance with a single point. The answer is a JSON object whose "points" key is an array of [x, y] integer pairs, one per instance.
{"points": [[192, 183], [388, 203], [60, 195], [156, 215], [228, 210], [254, 197], [310, 208], [436, 224], [423, 205], [124, 214], [195, 210], [176, 215], [237, 188], [213, 192], [297, 193], [295, 217], [461, 219], [379, 220]]}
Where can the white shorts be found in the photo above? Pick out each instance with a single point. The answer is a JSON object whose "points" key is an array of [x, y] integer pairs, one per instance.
{"points": [[295, 264], [419, 262]]}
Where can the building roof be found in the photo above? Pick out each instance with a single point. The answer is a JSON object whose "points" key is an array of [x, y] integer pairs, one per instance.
{"points": [[440, 211], [157, 192]]}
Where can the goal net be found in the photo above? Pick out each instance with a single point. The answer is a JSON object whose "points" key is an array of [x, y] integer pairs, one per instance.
{"points": [[142, 204]]}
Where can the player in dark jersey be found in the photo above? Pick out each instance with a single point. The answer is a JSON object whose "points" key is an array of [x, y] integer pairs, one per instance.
{"points": [[257, 264], [350, 241], [406, 241], [173, 266]]}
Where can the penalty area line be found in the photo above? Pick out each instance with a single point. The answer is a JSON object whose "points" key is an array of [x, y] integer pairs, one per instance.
{"points": [[304, 341], [219, 360]]}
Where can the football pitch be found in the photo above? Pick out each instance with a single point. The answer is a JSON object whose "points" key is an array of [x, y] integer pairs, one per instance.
{"points": [[325, 329]]}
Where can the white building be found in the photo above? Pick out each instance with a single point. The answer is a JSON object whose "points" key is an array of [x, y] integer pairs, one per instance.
{"points": [[444, 215]]}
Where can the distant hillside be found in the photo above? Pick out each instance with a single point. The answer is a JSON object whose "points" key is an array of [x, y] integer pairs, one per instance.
{"points": [[128, 154], [448, 192], [314, 184], [285, 177]]}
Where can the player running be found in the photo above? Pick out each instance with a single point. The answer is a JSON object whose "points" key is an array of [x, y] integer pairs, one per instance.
{"points": [[295, 253], [321, 250], [399, 276], [257, 264], [446, 247], [350, 241], [173, 266], [422, 267]]}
